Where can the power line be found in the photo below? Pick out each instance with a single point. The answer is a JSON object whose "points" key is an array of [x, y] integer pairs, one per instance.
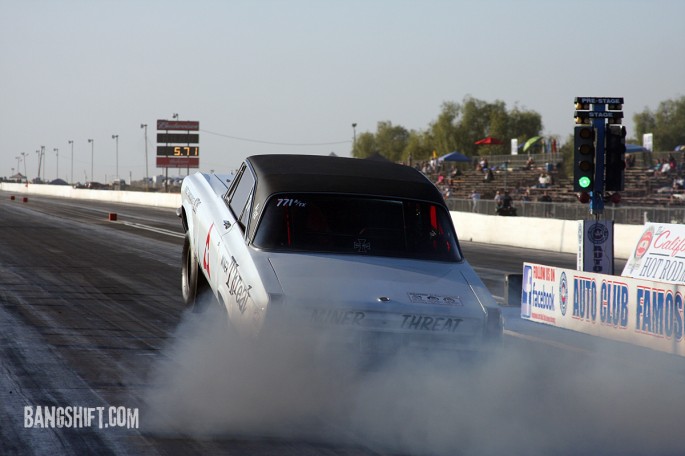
{"points": [[237, 138]]}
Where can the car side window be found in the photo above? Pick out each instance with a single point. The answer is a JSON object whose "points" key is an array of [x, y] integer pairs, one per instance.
{"points": [[240, 197]]}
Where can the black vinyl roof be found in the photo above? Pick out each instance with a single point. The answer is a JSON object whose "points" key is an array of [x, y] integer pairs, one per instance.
{"points": [[329, 174]]}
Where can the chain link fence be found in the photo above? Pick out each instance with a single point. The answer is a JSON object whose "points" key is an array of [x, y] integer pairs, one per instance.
{"points": [[626, 215]]}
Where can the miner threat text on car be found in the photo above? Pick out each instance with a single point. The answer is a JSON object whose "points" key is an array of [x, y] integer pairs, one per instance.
{"points": [[353, 246]]}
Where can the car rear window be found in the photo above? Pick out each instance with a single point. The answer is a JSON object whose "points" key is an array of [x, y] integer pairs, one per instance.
{"points": [[357, 225]]}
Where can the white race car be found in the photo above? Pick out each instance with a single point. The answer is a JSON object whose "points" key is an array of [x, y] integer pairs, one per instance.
{"points": [[362, 247]]}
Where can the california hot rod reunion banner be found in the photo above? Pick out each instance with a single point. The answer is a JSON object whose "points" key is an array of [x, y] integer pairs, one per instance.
{"points": [[659, 254]]}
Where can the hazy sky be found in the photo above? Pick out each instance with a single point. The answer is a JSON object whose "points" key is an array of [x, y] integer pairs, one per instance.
{"points": [[292, 76]]}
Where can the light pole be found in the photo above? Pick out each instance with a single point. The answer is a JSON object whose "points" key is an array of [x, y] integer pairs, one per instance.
{"points": [[116, 138], [71, 178], [92, 156], [144, 126], [23, 154], [57, 155], [45, 160], [40, 156], [354, 138], [18, 161]]}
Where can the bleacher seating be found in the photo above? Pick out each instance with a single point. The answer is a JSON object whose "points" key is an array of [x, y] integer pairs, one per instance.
{"points": [[643, 186]]}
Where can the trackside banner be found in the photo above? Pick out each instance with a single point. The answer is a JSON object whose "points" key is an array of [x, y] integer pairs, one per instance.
{"points": [[636, 311], [659, 254]]}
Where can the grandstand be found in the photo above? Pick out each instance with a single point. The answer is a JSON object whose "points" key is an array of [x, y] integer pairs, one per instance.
{"points": [[644, 186]]}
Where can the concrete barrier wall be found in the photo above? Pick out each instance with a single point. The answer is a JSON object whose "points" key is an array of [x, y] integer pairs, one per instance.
{"points": [[171, 200], [536, 233]]}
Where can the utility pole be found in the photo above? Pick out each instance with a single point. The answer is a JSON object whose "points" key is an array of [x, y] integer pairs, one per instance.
{"points": [[92, 156], [71, 176], [146, 172], [354, 138], [39, 162], [26, 176], [57, 155], [42, 153], [116, 138]]}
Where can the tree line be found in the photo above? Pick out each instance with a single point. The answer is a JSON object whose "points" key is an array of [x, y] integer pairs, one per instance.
{"points": [[459, 125]]}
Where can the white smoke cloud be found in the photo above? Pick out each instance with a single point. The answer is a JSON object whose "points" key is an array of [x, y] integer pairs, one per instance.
{"points": [[523, 399]]}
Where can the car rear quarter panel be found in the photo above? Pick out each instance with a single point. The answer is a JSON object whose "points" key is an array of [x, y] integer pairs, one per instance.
{"points": [[225, 259], [206, 213]]}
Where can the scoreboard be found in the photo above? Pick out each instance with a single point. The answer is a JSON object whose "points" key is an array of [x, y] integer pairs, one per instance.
{"points": [[177, 147]]}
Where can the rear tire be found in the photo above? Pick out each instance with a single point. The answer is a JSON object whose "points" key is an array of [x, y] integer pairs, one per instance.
{"points": [[193, 282]]}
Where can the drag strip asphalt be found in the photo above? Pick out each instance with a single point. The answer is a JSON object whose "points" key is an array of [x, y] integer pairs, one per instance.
{"points": [[89, 307]]}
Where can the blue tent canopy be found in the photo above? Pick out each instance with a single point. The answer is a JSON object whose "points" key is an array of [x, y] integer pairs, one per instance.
{"points": [[455, 157], [632, 148]]}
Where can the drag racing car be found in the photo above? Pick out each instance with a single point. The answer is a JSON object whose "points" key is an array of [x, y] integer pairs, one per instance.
{"points": [[363, 247]]}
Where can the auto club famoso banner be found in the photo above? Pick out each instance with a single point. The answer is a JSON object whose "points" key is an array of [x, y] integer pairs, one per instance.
{"points": [[643, 312]]}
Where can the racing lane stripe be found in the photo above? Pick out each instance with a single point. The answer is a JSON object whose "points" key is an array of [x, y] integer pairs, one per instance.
{"points": [[154, 229]]}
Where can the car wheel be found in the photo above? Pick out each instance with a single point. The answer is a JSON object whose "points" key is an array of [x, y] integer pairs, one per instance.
{"points": [[193, 282]]}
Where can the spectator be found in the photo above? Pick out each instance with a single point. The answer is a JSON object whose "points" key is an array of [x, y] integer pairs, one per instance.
{"points": [[545, 198], [498, 199], [530, 163], [456, 172], [526, 196], [475, 198], [506, 200], [544, 181], [488, 177], [630, 161], [671, 162], [665, 166], [661, 167], [505, 204]]}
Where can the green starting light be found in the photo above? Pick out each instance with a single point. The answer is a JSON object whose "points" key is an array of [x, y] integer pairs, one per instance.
{"points": [[584, 158], [584, 182]]}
